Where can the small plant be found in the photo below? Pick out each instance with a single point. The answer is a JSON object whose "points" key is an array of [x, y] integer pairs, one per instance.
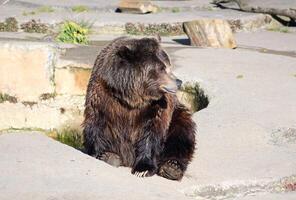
{"points": [[6, 97], [2, 27], [34, 26], [45, 9], [68, 136], [47, 96], [80, 9], [175, 10], [281, 29], [9, 25], [72, 32], [240, 76], [29, 13]]}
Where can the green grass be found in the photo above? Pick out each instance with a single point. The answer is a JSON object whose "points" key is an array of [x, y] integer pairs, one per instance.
{"points": [[68, 136], [12, 129], [281, 29], [45, 9], [80, 8], [28, 13], [175, 10], [42, 9], [71, 32]]}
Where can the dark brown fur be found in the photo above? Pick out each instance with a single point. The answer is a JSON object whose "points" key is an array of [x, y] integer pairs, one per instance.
{"points": [[131, 113]]}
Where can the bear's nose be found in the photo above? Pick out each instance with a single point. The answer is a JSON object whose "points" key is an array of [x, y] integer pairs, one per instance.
{"points": [[179, 83]]}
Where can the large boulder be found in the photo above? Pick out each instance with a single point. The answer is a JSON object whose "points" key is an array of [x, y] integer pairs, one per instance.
{"points": [[136, 6], [210, 33]]}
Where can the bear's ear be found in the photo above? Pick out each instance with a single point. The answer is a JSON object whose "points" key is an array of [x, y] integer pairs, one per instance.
{"points": [[126, 53]]}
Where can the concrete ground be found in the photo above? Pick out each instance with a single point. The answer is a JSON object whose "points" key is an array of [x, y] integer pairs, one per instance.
{"points": [[246, 136]]}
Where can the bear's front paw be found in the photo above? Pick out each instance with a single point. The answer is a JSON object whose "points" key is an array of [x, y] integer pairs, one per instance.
{"points": [[144, 167], [171, 170]]}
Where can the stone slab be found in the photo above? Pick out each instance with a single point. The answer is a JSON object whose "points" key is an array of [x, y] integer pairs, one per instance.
{"points": [[71, 80], [34, 167], [60, 112], [26, 69]]}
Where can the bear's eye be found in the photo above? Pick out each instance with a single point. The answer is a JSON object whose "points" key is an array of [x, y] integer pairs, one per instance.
{"points": [[163, 56]]}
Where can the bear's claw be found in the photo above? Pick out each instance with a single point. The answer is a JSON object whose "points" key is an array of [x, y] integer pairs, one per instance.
{"points": [[144, 168], [171, 170], [142, 174]]}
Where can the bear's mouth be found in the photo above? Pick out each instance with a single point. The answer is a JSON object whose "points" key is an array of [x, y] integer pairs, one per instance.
{"points": [[168, 90]]}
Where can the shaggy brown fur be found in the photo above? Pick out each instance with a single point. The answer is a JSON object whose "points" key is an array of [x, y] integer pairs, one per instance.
{"points": [[132, 115]]}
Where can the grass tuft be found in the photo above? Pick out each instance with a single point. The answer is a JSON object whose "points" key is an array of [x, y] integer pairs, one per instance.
{"points": [[281, 29], [9, 25], [71, 32], [68, 136], [45, 9], [28, 13], [176, 10], [80, 8]]}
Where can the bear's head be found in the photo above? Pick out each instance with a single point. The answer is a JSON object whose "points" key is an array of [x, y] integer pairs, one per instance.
{"points": [[138, 71]]}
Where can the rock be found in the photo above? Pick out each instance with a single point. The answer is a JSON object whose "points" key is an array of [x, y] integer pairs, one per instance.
{"points": [[210, 33], [136, 6], [26, 69]]}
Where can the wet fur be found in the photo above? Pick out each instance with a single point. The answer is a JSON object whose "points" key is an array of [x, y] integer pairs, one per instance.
{"points": [[126, 115]]}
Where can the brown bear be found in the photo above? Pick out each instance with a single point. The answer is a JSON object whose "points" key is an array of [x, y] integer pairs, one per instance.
{"points": [[132, 115]]}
